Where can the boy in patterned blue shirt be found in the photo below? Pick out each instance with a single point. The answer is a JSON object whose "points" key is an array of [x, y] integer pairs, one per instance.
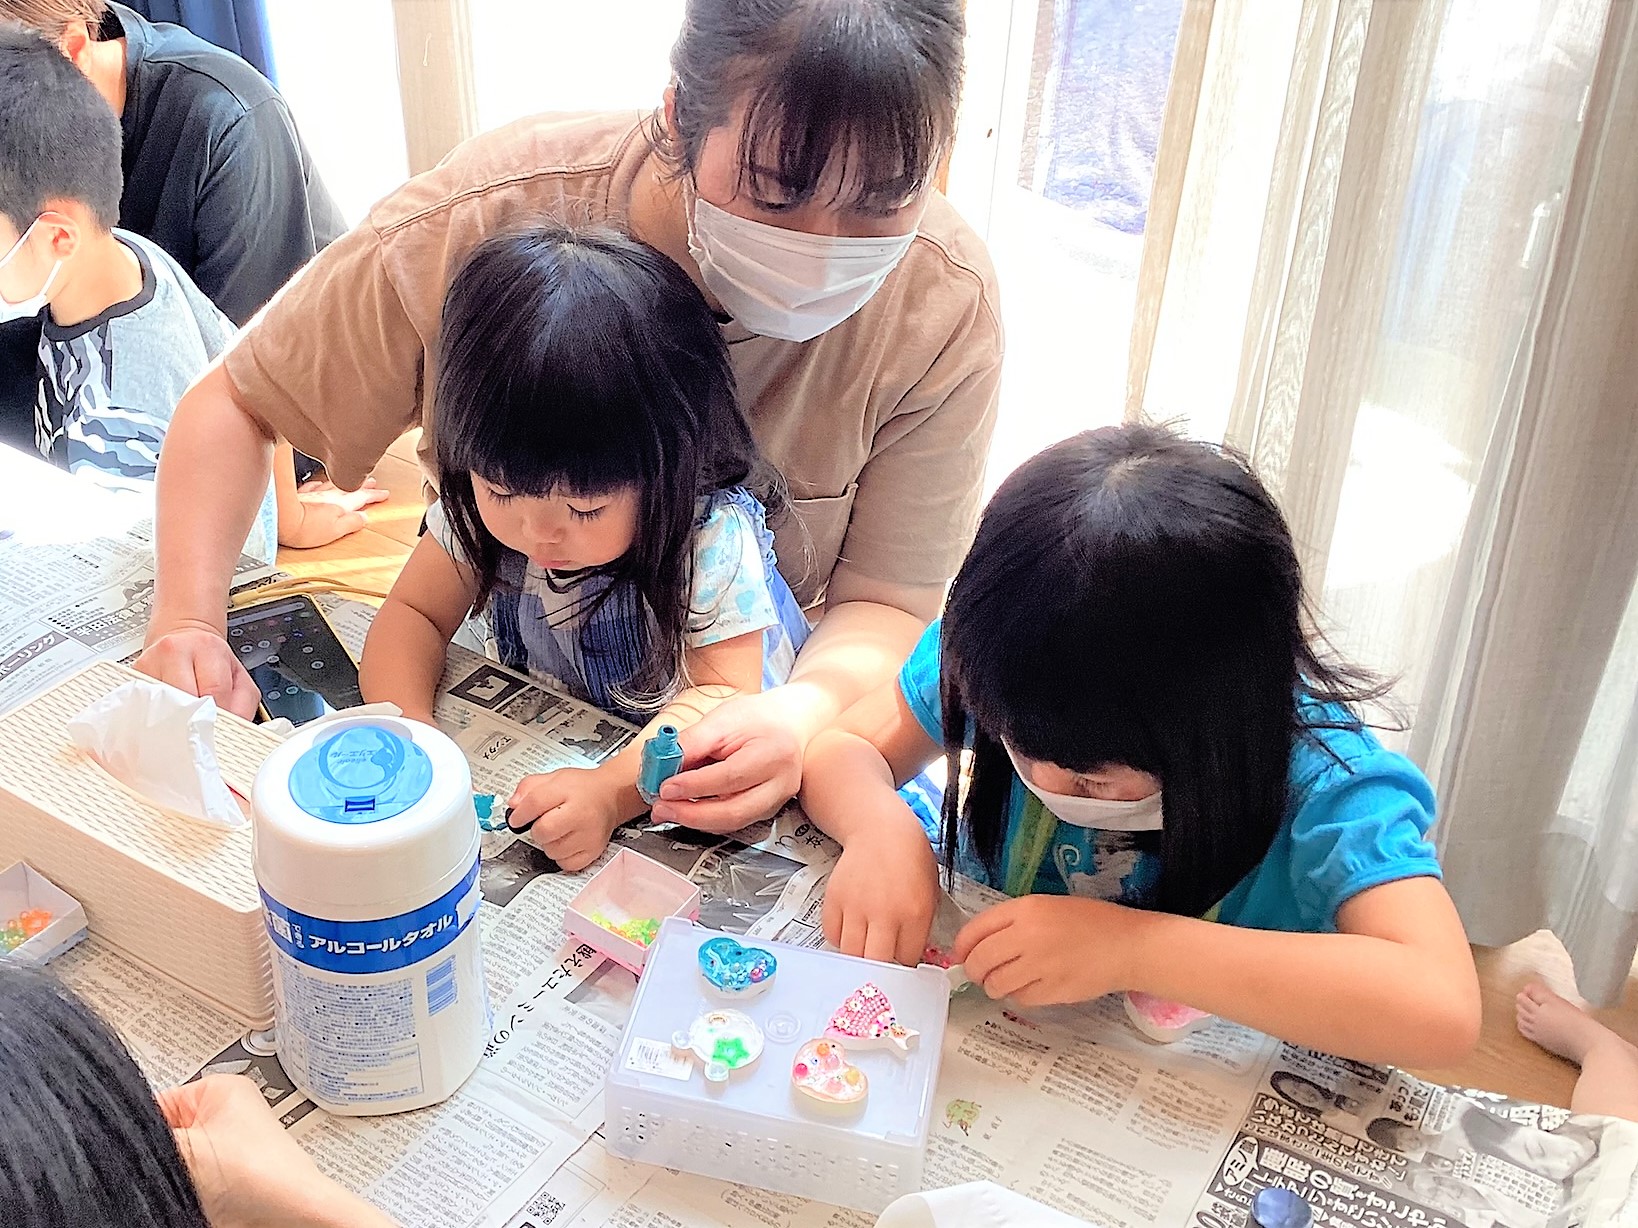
{"points": [[125, 330]]}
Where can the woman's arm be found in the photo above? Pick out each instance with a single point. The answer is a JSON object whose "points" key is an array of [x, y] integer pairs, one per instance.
{"points": [[750, 752], [1396, 984], [405, 652], [213, 472], [883, 893], [574, 811]]}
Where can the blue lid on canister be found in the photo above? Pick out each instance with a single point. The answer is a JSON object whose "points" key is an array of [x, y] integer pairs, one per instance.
{"points": [[363, 774]]}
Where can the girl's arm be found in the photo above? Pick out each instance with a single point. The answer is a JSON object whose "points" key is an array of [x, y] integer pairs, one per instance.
{"points": [[574, 811], [882, 894], [746, 761], [1396, 984], [405, 651]]}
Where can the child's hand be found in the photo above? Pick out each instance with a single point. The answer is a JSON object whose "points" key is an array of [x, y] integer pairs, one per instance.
{"points": [[573, 812], [882, 894], [1042, 949]]}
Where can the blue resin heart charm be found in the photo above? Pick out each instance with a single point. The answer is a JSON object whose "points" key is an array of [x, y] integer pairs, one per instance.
{"points": [[736, 970]]}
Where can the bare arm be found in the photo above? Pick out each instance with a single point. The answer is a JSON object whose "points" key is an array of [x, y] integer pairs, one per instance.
{"points": [[318, 514], [884, 891], [1395, 984], [719, 672], [574, 811], [751, 751], [853, 770], [409, 637], [213, 471]]}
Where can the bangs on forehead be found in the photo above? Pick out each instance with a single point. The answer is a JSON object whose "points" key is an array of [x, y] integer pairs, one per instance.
{"points": [[855, 115]]}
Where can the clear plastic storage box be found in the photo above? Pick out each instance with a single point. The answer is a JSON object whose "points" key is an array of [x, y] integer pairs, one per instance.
{"points": [[755, 1127]]}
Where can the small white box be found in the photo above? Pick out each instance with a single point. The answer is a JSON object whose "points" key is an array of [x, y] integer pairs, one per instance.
{"points": [[755, 1128], [23, 888], [630, 888]]}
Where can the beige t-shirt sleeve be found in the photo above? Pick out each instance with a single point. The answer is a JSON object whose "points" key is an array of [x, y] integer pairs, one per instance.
{"points": [[919, 492], [333, 363]]}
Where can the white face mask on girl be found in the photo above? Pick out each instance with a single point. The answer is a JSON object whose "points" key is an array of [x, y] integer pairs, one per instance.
{"points": [[1141, 815], [29, 306], [786, 283]]}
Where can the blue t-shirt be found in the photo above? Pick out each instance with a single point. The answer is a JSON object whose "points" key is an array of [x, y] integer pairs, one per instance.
{"points": [[1357, 817]]}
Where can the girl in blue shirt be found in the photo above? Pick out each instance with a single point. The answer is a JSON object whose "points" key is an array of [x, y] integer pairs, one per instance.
{"points": [[1160, 762]]}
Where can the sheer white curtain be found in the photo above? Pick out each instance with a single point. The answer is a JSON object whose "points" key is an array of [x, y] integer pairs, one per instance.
{"points": [[1390, 256]]}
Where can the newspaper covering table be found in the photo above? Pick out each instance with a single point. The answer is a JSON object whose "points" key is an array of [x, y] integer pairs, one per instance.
{"points": [[1070, 1106], [76, 575]]}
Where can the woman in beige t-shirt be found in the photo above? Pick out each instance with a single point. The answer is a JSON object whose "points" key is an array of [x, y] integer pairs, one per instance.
{"points": [[790, 173]]}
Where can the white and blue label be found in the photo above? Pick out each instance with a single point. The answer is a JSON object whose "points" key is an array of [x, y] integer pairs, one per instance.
{"points": [[383, 945]]}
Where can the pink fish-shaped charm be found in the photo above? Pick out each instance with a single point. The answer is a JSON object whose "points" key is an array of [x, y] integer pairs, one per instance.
{"points": [[866, 1020]]}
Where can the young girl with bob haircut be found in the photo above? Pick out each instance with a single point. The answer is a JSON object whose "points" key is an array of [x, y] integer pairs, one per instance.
{"points": [[602, 511], [1166, 772]]}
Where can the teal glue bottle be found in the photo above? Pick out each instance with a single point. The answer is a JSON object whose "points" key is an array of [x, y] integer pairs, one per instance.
{"points": [[662, 759]]}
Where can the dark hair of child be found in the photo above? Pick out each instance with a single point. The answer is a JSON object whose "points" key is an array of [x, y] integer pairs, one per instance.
{"points": [[85, 1141], [582, 362], [1134, 598], [59, 140]]}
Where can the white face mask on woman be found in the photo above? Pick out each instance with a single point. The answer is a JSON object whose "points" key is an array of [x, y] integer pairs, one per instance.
{"points": [[786, 283], [1141, 815], [29, 306]]}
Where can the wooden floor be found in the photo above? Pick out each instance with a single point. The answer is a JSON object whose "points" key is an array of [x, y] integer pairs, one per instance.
{"points": [[1504, 1062]]}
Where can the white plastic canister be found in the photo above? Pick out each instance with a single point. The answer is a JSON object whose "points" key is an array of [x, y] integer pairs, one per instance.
{"points": [[366, 851]]}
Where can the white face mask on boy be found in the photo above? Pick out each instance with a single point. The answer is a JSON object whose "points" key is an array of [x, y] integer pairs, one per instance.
{"points": [[786, 283], [30, 306], [1141, 815]]}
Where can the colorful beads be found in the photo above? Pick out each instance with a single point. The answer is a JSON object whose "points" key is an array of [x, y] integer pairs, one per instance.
{"points": [[25, 925], [641, 930], [821, 1071]]}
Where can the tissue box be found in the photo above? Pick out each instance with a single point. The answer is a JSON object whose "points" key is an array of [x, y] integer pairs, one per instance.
{"points": [[630, 888], [177, 896], [755, 1128], [24, 889]]}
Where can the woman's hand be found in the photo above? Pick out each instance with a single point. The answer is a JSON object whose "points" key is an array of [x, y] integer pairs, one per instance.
{"points": [[573, 812], [746, 757], [193, 657], [1042, 949], [249, 1172], [883, 893]]}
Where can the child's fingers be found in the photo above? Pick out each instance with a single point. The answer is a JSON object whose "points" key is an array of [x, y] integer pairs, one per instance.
{"points": [[853, 934], [983, 959], [990, 921], [533, 797], [1011, 978], [881, 941], [831, 918], [912, 943]]}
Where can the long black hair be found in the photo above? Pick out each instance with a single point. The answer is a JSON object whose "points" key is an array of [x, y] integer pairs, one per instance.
{"points": [[582, 362], [1134, 598], [84, 1140], [875, 83]]}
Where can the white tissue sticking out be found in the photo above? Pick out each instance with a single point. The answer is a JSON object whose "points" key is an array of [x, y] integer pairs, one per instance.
{"points": [[161, 744], [979, 1204]]}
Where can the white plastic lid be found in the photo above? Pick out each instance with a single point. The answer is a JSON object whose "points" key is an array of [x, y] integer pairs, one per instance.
{"points": [[363, 817]]}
